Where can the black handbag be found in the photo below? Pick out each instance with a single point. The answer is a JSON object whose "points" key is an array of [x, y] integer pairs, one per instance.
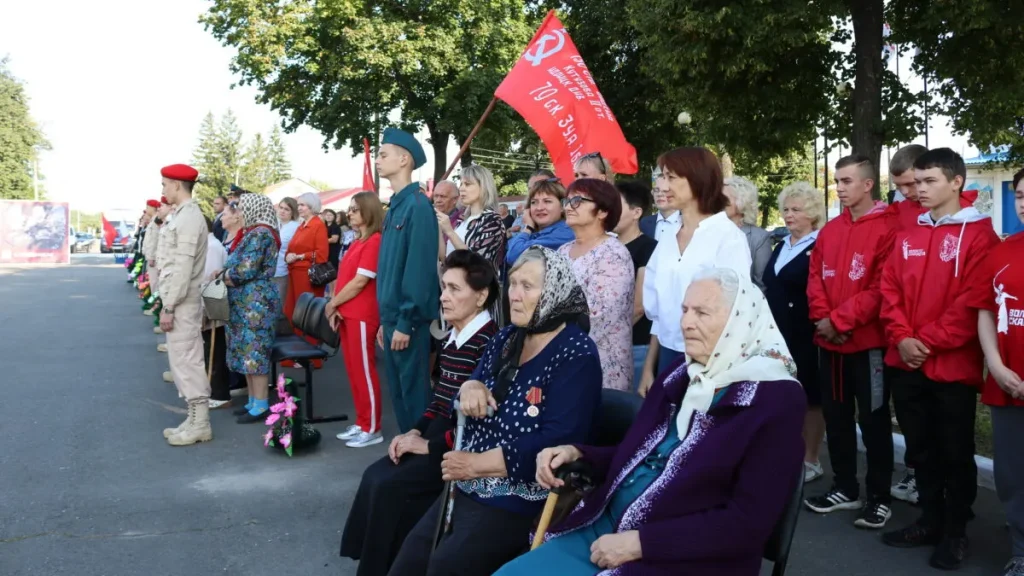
{"points": [[322, 274]]}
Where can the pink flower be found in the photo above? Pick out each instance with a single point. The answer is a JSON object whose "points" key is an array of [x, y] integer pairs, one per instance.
{"points": [[281, 391], [272, 419], [290, 407], [286, 440], [268, 437], [277, 408]]}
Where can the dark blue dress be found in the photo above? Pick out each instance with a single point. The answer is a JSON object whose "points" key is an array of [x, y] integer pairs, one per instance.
{"points": [[254, 302]]}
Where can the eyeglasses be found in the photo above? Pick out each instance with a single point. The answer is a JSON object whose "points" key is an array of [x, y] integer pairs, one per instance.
{"points": [[575, 202], [233, 205], [594, 156]]}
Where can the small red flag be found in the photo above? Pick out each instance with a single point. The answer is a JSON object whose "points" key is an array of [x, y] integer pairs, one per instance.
{"points": [[368, 183], [551, 87], [109, 232]]}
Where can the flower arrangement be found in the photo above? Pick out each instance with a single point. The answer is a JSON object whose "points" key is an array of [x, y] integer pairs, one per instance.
{"points": [[285, 428]]}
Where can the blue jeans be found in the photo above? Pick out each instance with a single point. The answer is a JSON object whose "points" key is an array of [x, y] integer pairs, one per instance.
{"points": [[639, 355]]}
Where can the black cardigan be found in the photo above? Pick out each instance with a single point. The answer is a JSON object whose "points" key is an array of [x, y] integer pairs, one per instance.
{"points": [[786, 293]]}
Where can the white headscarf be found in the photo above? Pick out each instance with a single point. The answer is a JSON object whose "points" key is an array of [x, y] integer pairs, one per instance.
{"points": [[751, 348]]}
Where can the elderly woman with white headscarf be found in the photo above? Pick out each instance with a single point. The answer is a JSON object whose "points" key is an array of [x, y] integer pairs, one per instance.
{"points": [[308, 246], [252, 296], [705, 472]]}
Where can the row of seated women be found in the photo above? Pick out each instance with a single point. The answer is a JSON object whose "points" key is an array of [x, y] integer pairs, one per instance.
{"points": [[695, 487]]}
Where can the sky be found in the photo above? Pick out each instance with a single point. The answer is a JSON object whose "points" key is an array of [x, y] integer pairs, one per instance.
{"points": [[120, 90]]}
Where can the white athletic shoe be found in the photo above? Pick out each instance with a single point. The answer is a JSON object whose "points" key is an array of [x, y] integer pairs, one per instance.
{"points": [[812, 471], [365, 439], [350, 433], [906, 489]]}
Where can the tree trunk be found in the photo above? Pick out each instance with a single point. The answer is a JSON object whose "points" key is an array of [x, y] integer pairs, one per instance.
{"points": [[867, 91], [439, 142]]}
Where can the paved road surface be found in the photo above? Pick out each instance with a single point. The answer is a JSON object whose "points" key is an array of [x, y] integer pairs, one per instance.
{"points": [[88, 487]]}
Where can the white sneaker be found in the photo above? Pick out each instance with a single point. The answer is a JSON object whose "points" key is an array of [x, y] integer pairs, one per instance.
{"points": [[349, 433], [218, 404], [906, 489], [161, 347], [812, 471], [365, 439]]}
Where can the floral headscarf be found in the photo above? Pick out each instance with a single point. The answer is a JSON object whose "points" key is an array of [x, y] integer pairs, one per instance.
{"points": [[751, 348], [561, 301], [257, 210]]}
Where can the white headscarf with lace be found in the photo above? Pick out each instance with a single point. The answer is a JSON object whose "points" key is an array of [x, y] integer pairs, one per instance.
{"points": [[751, 348]]}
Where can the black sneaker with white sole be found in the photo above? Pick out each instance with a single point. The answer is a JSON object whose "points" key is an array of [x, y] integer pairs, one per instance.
{"points": [[834, 499], [874, 516]]}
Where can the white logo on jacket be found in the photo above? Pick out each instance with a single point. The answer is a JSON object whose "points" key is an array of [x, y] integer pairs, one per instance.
{"points": [[1004, 316], [949, 249], [857, 267], [827, 272], [915, 252]]}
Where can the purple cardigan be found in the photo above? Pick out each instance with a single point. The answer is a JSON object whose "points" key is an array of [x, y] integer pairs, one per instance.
{"points": [[724, 488]]}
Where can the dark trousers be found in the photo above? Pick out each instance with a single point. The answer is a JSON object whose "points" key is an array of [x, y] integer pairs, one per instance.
{"points": [[854, 391], [408, 373], [219, 378], [891, 375], [937, 419], [1007, 430], [482, 539]]}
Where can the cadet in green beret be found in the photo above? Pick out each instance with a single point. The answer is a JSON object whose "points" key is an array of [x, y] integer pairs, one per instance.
{"points": [[407, 283]]}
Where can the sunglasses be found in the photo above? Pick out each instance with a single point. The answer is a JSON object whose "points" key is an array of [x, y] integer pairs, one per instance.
{"points": [[595, 156], [575, 202], [233, 205]]}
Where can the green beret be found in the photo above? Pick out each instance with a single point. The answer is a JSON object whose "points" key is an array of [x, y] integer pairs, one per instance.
{"points": [[405, 140]]}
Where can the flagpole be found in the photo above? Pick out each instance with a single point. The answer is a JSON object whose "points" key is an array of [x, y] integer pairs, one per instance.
{"points": [[469, 139]]}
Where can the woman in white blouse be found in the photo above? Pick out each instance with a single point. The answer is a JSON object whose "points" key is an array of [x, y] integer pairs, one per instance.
{"points": [[691, 179], [287, 214]]}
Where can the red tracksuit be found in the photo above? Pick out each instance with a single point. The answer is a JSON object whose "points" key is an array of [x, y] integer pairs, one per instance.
{"points": [[358, 331]]}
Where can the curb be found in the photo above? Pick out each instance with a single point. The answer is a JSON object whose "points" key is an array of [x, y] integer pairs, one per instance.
{"points": [[899, 448]]}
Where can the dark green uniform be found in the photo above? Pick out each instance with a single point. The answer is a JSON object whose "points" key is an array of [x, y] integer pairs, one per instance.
{"points": [[408, 295]]}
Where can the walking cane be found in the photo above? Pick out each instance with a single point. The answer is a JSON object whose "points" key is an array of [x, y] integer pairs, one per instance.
{"points": [[444, 517], [575, 475], [209, 364]]}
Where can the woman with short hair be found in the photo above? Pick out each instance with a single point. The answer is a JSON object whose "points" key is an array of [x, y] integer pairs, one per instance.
{"points": [[595, 166], [691, 179], [785, 287], [705, 471], [605, 271], [398, 489], [308, 246], [543, 220], [742, 210], [542, 378]]}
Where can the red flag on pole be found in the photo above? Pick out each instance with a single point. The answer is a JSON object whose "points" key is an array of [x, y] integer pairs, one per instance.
{"points": [[109, 232], [551, 87], [367, 168]]}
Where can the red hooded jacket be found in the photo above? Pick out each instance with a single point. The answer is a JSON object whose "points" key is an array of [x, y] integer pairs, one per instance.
{"points": [[930, 288], [907, 211], [846, 270]]}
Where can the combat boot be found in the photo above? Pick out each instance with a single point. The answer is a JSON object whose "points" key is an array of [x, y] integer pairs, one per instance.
{"points": [[197, 427]]}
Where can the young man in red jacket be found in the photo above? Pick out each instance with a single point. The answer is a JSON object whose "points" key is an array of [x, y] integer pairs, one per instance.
{"points": [[1001, 331], [906, 208], [930, 296], [844, 299]]}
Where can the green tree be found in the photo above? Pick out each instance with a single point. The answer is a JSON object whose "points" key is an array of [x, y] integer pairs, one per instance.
{"points": [[771, 175], [279, 168], [219, 157], [255, 171], [762, 76], [20, 139], [341, 66]]}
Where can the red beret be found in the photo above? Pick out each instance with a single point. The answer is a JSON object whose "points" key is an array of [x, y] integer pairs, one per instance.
{"points": [[153, 203], [182, 172], [163, 200]]}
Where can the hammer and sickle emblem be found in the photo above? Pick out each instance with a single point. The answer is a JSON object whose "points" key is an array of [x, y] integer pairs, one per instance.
{"points": [[540, 48]]}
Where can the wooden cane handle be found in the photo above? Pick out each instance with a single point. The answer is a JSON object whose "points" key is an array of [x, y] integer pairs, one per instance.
{"points": [[545, 519]]}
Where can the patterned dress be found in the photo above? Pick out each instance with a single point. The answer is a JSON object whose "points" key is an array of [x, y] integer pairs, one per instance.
{"points": [[254, 302], [606, 276]]}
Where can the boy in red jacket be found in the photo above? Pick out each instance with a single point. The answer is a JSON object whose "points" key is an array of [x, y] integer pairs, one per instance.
{"points": [[930, 292], [1001, 331], [844, 299]]}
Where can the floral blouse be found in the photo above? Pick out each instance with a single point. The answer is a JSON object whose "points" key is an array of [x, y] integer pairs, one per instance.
{"points": [[606, 275]]}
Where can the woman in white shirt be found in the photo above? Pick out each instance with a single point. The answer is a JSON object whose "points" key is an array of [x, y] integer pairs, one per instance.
{"points": [[691, 179], [220, 387], [287, 214]]}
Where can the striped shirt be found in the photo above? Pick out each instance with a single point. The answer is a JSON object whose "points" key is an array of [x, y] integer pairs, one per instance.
{"points": [[457, 364]]}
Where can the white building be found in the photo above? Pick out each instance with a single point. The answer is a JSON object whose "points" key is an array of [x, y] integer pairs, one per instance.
{"points": [[994, 183]]}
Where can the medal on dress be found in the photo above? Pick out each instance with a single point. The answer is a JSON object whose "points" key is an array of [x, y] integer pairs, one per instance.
{"points": [[534, 397]]}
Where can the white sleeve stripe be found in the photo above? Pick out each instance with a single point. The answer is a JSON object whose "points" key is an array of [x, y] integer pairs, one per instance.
{"points": [[364, 272]]}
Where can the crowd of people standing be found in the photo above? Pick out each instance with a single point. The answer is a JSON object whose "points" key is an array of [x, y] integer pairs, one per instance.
{"points": [[675, 295]]}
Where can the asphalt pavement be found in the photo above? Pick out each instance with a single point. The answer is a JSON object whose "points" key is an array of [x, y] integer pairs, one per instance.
{"points": [[89, 487]]}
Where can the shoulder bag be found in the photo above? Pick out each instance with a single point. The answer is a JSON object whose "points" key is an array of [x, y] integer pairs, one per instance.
{"points": [[321, 274], [215, 299]]}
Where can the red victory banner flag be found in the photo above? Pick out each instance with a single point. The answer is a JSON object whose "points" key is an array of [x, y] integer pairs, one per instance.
{"points": [[552, 89], [368, 183]]}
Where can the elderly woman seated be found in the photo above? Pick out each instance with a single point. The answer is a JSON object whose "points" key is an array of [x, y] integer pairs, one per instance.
{"points": [[542, 378], [705, 471], [397, 489]]}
